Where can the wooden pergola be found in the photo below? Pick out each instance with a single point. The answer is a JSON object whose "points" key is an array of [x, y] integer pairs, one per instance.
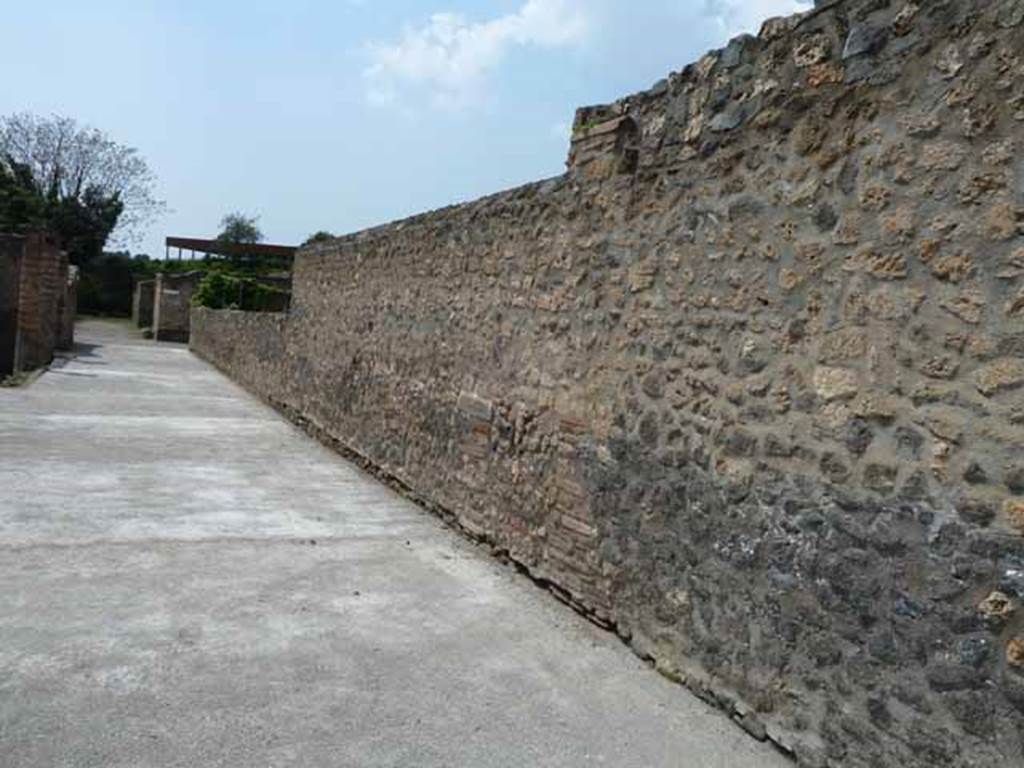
{"points": [[268, 254]]}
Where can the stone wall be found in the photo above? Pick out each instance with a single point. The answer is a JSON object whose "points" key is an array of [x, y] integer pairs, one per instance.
{"points": [[68, 309], [172, 303], [34, 275], [10, 284], [747, 383], [142, 303]]}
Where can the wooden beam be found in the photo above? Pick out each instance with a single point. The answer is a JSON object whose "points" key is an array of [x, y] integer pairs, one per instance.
{"points": [[232, 249]]}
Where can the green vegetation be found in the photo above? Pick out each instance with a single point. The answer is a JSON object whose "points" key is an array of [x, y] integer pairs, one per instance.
{"points": [[319, 237], [81, 187], [105, 287], [19, 379], [81, 223], [239, 229], [236, 281], [73, 182], [220, 290]]}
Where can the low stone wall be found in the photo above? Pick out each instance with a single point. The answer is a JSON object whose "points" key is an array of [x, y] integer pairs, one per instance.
{"points": [[260, 358], [747, 383], [35, 276]]}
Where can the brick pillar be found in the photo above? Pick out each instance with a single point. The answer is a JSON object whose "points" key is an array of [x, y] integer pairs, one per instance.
{"points": [[10, 284]]}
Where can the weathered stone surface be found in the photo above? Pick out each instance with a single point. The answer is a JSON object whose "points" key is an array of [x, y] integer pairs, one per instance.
{"points": [[953, 267], [864, 39], [1003, 374], [1011, 14], [997, 608], [968, 305], [904, 20], [835, 383], [729, 119], [812, 50], [1015, 653], [976, 511], [738, 372], [1014, 511], [949, 61], [942, 156]]}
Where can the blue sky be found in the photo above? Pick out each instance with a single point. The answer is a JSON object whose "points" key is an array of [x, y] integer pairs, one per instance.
{"points": [[342, 114]]}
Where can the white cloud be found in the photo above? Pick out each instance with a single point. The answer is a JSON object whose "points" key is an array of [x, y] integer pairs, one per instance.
{"points": [[738, 16], [450, 56]]}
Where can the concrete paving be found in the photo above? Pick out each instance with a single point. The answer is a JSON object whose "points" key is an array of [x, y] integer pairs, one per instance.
{"points": [[188, 580]]}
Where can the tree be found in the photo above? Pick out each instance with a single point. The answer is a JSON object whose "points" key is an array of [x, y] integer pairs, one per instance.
{"points": [[105, 287], [88, 181], [21, 205], [319, 237], [83, 223], [239, 228]]}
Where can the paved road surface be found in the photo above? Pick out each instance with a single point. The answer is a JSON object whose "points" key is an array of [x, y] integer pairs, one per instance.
{"points": [[188, 580]]}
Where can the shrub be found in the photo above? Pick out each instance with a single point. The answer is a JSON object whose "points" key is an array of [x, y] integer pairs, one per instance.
{"points": [[223, 291]]}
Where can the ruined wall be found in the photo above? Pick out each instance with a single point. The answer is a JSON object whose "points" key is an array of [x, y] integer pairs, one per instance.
{"points": [[10, 285], [68, 308], [172, 304], [746, 383], [43, 276], [31, 332], [142, 303]]}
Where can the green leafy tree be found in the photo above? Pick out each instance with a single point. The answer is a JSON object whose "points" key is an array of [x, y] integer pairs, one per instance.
{"points": [[76, 182], [105, 286], [319, 237], [83, 223], [22, 207], [240, 229]]}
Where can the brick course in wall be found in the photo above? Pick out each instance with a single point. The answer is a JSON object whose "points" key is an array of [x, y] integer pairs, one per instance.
{"points": [[747, 383]]}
